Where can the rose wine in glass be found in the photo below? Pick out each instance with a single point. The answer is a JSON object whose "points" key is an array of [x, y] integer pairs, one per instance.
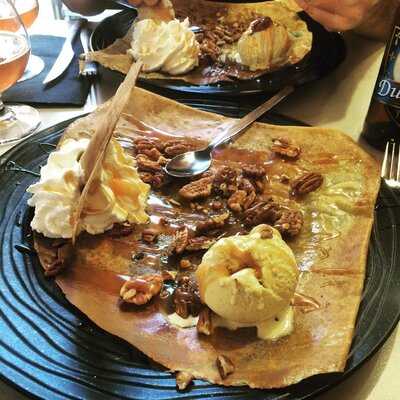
{"points": [[28, 11], [16, 122]]}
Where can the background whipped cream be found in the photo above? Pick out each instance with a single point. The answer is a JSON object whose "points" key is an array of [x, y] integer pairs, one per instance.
{"points": [[167, 46], [118, 196]]}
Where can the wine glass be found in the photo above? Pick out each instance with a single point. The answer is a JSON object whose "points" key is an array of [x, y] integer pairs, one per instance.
{"points": [[28, 10], [19, 121]]}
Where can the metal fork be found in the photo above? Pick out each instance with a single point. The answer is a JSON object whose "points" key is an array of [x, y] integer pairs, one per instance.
{"points": [[390, 168], [87, 69]]}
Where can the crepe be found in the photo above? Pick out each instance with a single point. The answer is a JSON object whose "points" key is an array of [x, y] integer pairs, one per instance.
{"points": [[115, 57], [331, 251]]}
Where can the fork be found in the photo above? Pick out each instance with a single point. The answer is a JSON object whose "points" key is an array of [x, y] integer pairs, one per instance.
{"points": [[390, 172], [87, 68]]}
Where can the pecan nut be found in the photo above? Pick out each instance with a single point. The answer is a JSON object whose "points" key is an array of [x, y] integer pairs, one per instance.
{"points": [[119, 230], [183, 379], [216, 221], [289, 223], [306, 183], [225, 366], [186, 297], [204, 323], [262, 212], [197, 189], [199, 243], [254, 171], [142, 289], [284, 148], [181, 239], [145, 164], [149, 235], [237, 201]]}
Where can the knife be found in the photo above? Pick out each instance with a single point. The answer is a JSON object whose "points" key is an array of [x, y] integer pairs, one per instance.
{"points": [[66, 54]]}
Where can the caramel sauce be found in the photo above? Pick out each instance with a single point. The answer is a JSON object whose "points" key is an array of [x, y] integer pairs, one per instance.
{"points": [[306, 303]]}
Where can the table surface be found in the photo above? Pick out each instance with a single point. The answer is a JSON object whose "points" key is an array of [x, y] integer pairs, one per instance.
{"points": [[339, 101]]}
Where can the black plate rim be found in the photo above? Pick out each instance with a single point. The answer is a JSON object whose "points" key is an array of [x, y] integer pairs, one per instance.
{"points": [[335, 378]]}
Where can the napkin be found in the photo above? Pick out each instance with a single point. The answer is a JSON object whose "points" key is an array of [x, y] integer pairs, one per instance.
{"points": [[68, 90]]}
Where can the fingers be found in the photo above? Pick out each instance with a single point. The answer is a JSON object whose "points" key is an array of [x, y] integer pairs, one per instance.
{"points": [[335, 16]]}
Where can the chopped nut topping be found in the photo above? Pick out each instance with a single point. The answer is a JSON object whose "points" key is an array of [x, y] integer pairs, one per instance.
{"points": [[263, 212], [186, 297], [142, 143], [176, 149], [142, 289], [185, 264], [152, 153], [149, 235], [216, 221], [155, 180], [183, 379], [306, 183], [254, 171], [204, 324], [181, 238], [284, 148], [237, 200], [197, 189], [289, 223], [225, 175], [199, 243], [145, 164], [225, 366]]}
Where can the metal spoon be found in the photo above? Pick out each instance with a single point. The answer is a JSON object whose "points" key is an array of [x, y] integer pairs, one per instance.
{"points": [[196, 162]]}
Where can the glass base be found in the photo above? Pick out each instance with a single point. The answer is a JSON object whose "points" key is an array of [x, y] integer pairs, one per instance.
{"points": [[34, 67], [17, 123]]}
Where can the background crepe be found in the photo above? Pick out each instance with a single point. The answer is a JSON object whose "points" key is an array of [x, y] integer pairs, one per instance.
{"points": [[331, 252], [115, 57]]}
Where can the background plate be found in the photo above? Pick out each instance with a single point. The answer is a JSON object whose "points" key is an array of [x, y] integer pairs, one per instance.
{"points": [[327, 53], [52, 351]]}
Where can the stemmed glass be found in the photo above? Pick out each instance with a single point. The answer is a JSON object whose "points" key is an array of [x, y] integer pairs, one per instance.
{"points": [[28, 10], [19, 121]]}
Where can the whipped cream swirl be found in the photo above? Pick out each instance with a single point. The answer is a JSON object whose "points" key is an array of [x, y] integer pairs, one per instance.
{"points": [[167, 46], [118, 196]]}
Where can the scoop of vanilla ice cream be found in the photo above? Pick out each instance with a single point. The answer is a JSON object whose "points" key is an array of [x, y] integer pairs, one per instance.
{"points": [[118, 196], [167, 46], [263, 49], [248, 279]]}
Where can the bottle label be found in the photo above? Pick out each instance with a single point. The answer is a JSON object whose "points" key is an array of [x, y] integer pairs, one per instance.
{"points": [[387, 89]]}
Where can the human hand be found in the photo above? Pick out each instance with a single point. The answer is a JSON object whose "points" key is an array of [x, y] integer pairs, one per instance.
{"points": [[337, 15]]}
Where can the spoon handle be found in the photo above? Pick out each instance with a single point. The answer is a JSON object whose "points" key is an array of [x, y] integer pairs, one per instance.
{"points": [[248, 119]]}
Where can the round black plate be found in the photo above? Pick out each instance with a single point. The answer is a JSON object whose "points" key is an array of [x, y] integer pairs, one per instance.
{"points": [[50, 350], [327, 53]]}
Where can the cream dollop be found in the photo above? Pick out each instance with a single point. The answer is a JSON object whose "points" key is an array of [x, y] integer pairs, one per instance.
{"points": [[167, 46], [250, 280], [119, 196]]}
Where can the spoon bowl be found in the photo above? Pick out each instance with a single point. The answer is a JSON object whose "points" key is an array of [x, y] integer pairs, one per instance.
{"points": [[189, 164], [195, 163]]}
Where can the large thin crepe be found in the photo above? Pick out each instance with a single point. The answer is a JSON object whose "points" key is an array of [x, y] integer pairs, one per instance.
{"points": [[331, 251], [115, 56]]}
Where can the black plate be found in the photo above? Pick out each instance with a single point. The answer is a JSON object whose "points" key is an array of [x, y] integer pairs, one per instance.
{"points": [[52, 351], [327, 53]]}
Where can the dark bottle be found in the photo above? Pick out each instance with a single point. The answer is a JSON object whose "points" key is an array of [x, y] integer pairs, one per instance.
{"points": [[383, 119]]}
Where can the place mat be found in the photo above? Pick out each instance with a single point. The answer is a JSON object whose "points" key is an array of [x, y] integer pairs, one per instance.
{"points": [[68, 90]]}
